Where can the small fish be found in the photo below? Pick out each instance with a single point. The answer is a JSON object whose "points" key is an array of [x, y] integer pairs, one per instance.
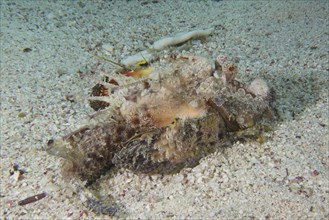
{"points": [[138, 73]]}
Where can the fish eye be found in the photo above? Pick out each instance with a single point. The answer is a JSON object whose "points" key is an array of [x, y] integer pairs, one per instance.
{"points": [[174, 122]]}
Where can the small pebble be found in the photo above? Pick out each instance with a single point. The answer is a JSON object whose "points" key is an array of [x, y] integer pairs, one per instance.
{"points": [[108, 48], [27, 50], [21, 115]]}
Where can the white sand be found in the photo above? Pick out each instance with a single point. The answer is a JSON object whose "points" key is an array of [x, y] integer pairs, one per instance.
{"points": [[43, 95]]}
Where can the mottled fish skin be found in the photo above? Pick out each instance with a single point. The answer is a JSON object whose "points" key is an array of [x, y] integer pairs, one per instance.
{"points": [[179, 114], [189, 141]]}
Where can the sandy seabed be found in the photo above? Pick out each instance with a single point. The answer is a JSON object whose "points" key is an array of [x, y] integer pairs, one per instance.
{"points": [[47, 70]]}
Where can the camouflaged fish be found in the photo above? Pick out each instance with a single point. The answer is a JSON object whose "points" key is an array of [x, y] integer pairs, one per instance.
{"points": [[163, 117]]}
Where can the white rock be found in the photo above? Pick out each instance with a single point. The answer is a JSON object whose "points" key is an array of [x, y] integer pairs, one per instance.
{"points": [[259, 87], [108, 47], [180, 38]]}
